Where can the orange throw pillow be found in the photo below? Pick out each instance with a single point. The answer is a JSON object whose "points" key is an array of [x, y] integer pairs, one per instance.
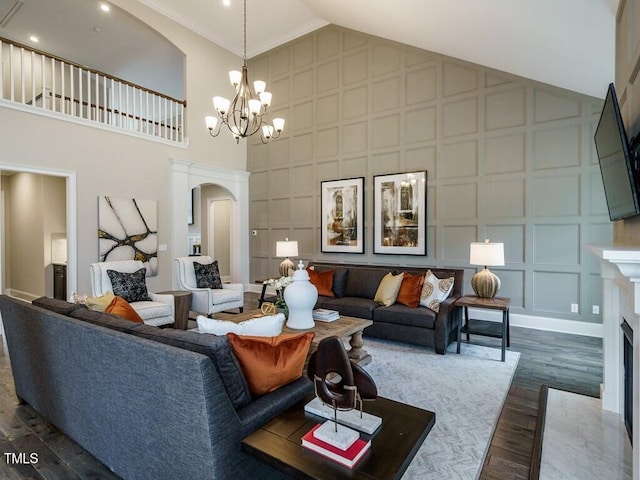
{"points": [[269, 363], [410, 290], [323, 281], [120, 307]]}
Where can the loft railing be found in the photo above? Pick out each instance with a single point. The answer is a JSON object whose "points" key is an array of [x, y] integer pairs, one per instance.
{"points": [[48, 83]]}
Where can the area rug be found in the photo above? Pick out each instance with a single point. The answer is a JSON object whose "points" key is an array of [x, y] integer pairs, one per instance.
{"points": [[582, 441], [466, 391]]}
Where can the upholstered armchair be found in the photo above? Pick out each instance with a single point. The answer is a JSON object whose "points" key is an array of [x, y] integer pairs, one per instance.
{"points": [[207, 300], [153, 308]]}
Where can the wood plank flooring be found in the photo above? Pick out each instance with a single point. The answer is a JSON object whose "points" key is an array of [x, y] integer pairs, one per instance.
{"points": [[560, 361]]}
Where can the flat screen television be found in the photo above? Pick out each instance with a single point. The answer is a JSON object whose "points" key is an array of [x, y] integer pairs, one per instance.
{"points": [[618, 163]]}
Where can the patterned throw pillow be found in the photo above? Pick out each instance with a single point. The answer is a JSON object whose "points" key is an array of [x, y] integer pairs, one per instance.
{"points": [[435, 291], [130, 286], [207, 275]]}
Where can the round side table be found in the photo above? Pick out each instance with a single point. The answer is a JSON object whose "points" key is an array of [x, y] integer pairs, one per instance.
{"points": [[182, 302]]}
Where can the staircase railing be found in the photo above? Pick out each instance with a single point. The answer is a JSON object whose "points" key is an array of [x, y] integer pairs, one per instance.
{"points": [[48, 83]]}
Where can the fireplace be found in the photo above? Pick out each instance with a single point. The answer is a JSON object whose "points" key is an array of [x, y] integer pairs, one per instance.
{"points": [[628, 377], [620, 391]]}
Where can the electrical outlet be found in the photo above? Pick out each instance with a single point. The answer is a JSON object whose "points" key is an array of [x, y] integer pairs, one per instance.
{"points": [[595, 309], [574, 308]]}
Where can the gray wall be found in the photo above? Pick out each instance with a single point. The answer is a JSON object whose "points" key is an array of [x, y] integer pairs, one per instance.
{"points": [[628, 90], [507, 158]]}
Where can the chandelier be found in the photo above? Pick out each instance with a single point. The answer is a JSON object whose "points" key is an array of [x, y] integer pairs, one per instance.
{"points": [[244, 115]]}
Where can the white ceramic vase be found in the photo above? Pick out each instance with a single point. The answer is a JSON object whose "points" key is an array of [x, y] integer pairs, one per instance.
{"points": [[300, 296]]}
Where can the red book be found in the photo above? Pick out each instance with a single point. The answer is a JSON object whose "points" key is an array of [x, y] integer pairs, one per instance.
{"points": [[348, 457]]}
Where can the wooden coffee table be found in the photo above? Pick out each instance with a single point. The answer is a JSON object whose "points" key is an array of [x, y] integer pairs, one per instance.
{"points": [[393, 446], [343, 327]]}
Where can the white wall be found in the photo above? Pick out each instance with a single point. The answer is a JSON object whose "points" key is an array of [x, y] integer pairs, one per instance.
{"points": [[119, 165]]}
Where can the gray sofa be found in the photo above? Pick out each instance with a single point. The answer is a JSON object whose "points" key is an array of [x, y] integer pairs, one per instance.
{"points": [[354, 287], [149, 403]]}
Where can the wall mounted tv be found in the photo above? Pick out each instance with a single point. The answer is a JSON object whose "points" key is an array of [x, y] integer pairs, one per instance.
{"points": [[618, 162]]}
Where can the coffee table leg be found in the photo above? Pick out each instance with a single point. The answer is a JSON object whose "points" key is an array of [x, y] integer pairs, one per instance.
{"points": [[357, 353]]}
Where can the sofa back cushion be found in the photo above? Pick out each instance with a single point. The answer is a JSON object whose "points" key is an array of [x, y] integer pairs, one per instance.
{"points": [[59, 306], [215, 347], [363, 282], [105, 319]]}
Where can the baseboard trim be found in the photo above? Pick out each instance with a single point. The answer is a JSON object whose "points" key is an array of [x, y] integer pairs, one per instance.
{"points": [[549, 324], [29, 297]]}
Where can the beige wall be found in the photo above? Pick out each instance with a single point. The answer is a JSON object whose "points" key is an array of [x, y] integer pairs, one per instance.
{"points": [[107, 163], [507, 158], [34, 210], [628, 89]]}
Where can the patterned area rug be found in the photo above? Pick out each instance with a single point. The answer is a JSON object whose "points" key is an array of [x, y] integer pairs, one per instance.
{"points": [[466, 391]]}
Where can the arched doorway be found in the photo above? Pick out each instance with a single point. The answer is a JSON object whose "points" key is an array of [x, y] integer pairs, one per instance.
{"points": [[232, 185]]}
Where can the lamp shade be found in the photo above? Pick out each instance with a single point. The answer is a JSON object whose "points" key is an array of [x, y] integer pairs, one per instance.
{"points": [[487, 254], [288, 248]]}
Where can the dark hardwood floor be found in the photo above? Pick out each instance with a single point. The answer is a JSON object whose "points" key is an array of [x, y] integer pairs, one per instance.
{"points": [[561, 361]]}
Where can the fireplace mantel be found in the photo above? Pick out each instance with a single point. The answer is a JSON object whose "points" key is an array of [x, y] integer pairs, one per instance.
{"points": [[620, 271]]}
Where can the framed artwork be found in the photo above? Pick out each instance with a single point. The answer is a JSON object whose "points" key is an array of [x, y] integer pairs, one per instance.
{"points": [[128, 230], [342, 216], [400, 213]]}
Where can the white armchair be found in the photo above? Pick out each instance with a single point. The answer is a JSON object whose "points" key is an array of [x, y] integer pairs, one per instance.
{"points": [[207, 300], [158, 311]]}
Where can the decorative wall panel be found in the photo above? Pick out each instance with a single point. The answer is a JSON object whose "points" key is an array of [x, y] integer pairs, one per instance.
{"points": [[507, 158]]}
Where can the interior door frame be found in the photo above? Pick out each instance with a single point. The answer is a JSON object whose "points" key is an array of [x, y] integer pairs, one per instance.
{"points": [[71, 212]]}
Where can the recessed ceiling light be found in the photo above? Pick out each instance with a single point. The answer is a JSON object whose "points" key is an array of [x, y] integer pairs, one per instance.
{"points": [[105, 7], [226, 3], [34, 39]]}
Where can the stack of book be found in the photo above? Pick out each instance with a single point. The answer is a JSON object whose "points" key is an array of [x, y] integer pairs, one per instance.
{"points": [[324, 315], [348, 456]]}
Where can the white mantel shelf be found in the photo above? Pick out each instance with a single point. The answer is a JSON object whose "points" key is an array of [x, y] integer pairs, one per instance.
{"points": [[620, 271]]}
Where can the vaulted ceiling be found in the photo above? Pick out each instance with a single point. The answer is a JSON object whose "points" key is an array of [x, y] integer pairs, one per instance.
{"points": [[566, 43]]}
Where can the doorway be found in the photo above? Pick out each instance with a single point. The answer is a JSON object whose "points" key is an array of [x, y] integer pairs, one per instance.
{"points": [[219, 237], [38, 229]]}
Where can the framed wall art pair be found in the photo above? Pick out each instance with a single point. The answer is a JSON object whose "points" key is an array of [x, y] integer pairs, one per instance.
{"points": [[399, 214]]}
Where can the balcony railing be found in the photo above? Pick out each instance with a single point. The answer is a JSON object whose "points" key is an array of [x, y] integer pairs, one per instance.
{"points": [[48, 83]]}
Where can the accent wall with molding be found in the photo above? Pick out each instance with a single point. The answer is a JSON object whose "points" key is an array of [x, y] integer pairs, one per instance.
{"points": [[507, 158]]}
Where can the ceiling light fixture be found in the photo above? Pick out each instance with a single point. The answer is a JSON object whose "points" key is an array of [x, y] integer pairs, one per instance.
{"points": [[244, 114], [105, 7], [34, 39]]}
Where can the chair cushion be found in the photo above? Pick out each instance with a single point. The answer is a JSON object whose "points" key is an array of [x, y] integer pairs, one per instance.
{"points": [[410, 290], [267, 326], [225, 295], [207, 275], [323, 281], [149, 309], [435, 290], [388, 289], [130, 286], [271, 362], [120, 307]]}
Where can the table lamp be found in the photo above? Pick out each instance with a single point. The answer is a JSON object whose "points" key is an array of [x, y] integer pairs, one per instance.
{"points": [[286, 249], [485, 283]]}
